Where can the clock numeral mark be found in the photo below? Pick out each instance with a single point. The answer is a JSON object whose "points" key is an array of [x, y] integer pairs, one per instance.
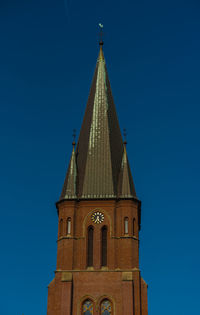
{"points": [[97, 217]]}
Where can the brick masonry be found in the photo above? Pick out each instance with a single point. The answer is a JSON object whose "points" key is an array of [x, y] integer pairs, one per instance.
{"points": [[120, 281]]}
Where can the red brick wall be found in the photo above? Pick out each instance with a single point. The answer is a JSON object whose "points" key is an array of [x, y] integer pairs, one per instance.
{"points": [[120, 281]]}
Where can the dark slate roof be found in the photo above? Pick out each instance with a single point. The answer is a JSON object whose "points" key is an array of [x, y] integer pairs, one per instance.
{"points": [[100, 159]]}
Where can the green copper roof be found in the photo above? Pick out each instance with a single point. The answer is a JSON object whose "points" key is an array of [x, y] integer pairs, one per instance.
{"points": [[99, 153]]}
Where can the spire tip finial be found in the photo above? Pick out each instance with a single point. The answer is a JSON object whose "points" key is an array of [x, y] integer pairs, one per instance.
{"points": [[74, 137], [125, 136], [101, 34]]}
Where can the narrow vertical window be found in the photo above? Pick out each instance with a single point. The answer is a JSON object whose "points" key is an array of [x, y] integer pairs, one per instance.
{"points": [[106, 307], [104, 246], [126, 225], [87, 308], [69, 226], [90, 246], [134, 226], [61, 228]]}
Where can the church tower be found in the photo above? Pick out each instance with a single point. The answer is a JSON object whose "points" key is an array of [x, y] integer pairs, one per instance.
{"points": [[97, 270]]}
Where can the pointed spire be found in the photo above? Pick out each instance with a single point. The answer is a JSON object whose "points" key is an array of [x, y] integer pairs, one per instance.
{"points": [[100, 159], [126, 185], [100, 147], [69, 187]]}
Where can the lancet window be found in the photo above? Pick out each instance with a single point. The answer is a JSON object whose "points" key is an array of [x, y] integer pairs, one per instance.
{"points": [[106, 307], [87, 308], [134, 226], [69, 221], [104, 246], [90, 246], [126, 225]]}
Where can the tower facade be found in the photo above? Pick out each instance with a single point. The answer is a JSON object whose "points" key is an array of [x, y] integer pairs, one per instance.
{"points": [[97, 270]]}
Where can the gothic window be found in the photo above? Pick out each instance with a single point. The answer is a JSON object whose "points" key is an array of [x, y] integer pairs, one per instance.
{"points": [[126, 225], [104, 246], [90, 246], [87, 308], [133, 226], [61, 228], [69, 226], [106, 307]]}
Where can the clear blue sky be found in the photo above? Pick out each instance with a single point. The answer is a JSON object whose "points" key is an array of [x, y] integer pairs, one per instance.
{"points": [[47, 59]]}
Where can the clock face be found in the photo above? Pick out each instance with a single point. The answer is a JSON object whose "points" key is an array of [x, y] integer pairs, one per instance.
{"points": [[97, 217]]}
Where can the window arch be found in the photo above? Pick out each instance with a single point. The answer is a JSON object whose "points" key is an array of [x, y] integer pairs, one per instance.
{"points": [[87, 307], [61, 227], [126, 225], [106, 307], [69, 225], [90, 246], [104, 246]]}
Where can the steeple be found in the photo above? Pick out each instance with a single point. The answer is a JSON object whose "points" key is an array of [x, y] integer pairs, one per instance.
{"points": [[100, 152], [97, 268]]}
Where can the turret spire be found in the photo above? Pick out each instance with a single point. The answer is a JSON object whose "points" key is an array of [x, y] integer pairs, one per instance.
{"points": [[69, 187], [126, 187]]}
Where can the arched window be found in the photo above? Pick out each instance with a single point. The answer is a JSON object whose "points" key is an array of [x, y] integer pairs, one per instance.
{"points": [[87, 308], [104, 246], [69, 225], [61, 228], [90, 246], [134, 226], [106, 307], [126, 225]]}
